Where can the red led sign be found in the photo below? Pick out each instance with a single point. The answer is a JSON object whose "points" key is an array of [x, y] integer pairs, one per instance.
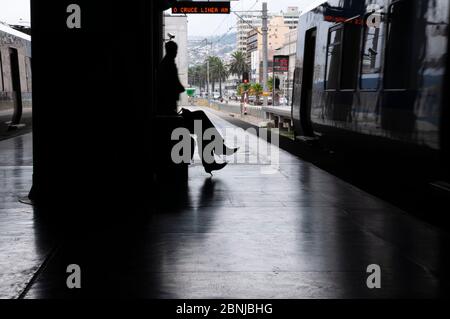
{"points": [[201, 7], [281, 63]]}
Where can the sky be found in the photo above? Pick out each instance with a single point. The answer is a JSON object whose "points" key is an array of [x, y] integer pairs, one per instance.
{"points": [[11, 11], [209, 25]]}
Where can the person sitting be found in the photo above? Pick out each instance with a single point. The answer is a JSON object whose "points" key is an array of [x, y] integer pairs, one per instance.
{"points": [[169, 89]]}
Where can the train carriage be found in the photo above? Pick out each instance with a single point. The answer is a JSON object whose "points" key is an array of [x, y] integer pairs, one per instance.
{"points": [[374, 73]]}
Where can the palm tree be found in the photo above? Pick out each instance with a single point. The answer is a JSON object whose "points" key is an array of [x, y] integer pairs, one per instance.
{"points": [[193, 76], [218, 72], [239, 64], [197, 76], [213, 62]]}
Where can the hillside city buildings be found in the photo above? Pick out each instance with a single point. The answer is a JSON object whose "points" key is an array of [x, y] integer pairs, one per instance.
{"points": [[282, 40]]}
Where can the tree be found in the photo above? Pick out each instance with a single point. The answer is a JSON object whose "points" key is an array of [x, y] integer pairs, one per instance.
{"points": [[256, 90], [239, 64], [244, 87], [218, 72], [201, 75], [197, 76], [270, 84], [221, 72], [193, 76]]}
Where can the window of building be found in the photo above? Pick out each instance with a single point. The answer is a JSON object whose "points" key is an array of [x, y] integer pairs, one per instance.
{"points": [[334, 53], [371, 57], [399, 47]]}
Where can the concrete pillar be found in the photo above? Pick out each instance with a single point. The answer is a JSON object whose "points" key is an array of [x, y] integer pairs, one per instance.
{"points": [[92, 103]]}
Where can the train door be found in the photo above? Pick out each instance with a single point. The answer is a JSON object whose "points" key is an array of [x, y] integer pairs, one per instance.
{"points": [[445, 119], [16, 87], [307, 82]]}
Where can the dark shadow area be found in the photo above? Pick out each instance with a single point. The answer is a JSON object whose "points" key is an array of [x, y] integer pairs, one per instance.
{"points": [[133, 258]]}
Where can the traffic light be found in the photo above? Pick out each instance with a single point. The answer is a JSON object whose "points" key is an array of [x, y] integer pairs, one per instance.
{"points": [[245, 78]]}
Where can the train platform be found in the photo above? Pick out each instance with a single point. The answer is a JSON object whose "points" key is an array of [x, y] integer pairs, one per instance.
{"points": [[297, 232]]}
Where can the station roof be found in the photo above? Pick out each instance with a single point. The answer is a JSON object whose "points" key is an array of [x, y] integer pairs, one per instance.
{"points": [[6, 28]]}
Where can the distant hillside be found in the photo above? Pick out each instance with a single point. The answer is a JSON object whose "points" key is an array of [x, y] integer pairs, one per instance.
{"points": [[223, 46], [229, 38], [226, 39]]}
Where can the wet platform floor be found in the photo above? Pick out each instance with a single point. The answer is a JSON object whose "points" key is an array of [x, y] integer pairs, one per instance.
{"points": [[298, 232]]}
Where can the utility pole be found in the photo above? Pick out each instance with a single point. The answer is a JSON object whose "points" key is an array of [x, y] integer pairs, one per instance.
{"points": [[207, 76], [265, 49], [207, 69]]}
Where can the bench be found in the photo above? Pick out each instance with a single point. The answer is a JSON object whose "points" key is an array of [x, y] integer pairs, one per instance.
{"points": [[166, 169]]}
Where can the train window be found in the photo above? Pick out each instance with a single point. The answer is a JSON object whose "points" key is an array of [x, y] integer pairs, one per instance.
{"points": [[334, 55], [350, 58], [371, 57], [398, 49]]}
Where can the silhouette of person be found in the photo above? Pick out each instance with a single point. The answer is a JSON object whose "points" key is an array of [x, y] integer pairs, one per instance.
{"points": [[169, 85], [169, 90]]}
